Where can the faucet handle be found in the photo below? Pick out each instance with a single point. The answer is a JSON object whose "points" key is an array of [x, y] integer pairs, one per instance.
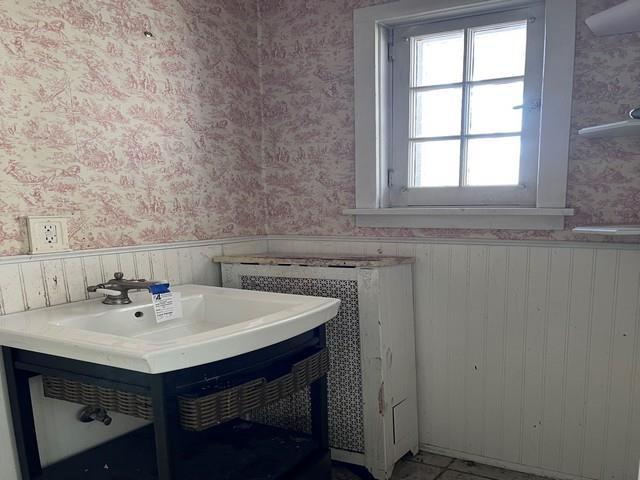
{"points": [[118, 275], [106, 291]]}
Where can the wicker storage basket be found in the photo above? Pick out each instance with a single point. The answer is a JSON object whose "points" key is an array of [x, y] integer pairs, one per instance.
{"points": [[197, 412], [107, 398], [200, 413]]}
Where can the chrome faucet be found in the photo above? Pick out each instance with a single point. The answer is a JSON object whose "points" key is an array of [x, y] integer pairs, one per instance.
{"points": [[117, 289]]}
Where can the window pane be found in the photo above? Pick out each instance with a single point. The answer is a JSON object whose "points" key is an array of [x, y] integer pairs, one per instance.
{"points": [[499, 51], [437, 113], [491, 108], [438, 58], [436, 163], [493, 161]]}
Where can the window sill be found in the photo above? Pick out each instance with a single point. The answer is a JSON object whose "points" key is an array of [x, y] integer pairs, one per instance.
{"points": [[486, 218]]}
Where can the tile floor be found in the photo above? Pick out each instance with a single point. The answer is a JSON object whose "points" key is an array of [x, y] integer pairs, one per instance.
{"points": [[427, 466]]}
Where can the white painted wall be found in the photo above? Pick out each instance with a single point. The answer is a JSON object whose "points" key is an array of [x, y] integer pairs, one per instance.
{"points": [[528, 355], [35, 282]]}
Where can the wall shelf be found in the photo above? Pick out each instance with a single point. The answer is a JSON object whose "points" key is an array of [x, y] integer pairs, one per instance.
{"points": [[622, 18], [609, 229], [626, 128]]}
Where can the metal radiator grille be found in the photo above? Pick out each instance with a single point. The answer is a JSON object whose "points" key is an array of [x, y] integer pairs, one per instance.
{"points": [[345, 376]]}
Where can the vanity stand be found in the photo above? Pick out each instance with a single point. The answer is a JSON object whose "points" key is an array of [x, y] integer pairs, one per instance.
{"points": [[178, 446]]}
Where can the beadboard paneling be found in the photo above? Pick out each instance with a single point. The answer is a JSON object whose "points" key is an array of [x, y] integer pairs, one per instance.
{"points": [[30, 282], [528, 354]]}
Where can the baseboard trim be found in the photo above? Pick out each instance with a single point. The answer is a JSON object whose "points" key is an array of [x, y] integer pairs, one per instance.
{"points": [[345, 456], [543, 472]]}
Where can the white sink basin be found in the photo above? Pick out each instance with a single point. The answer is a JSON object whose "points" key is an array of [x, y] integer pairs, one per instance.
{"points": [[217, 323]]}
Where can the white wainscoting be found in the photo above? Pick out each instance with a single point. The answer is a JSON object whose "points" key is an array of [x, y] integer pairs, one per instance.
{"points": [[528, 353], [28, 282]]}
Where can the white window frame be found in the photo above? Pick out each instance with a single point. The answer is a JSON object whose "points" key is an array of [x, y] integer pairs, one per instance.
{"points": [[373, 113]]}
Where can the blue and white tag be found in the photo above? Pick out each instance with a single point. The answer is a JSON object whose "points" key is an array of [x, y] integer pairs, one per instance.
{"points": [[166, 305]]}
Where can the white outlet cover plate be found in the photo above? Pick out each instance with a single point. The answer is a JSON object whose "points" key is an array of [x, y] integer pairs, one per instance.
{"points": [[36, 227]]}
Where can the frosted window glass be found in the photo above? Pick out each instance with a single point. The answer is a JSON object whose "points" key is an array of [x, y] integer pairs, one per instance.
{"points": [[493, 161], [436, 163], [491, 108], [437, 113], [499, 51], [439, 59]]}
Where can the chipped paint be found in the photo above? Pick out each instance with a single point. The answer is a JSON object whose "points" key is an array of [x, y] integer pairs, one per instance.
{"points": [[381, 407]]}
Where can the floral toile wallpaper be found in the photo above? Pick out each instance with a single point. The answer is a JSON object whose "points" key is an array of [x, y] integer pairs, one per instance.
{"points": [[143, 140], [308, 145], [235, 118]]}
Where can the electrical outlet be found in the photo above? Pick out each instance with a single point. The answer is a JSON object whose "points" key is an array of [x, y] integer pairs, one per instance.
{"points": [[48, 234]]}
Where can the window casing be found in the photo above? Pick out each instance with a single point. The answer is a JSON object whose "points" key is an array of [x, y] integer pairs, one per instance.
{"points": [[378, 200]]}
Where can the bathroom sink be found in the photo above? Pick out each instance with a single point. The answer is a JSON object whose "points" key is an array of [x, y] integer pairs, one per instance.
{"points": [[217, 323]]}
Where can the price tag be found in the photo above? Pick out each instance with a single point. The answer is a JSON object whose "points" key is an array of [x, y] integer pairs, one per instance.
{"points": [[167, 306]]}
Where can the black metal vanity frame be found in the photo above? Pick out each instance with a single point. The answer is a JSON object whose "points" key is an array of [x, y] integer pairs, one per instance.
{"points": [[163, 389]]}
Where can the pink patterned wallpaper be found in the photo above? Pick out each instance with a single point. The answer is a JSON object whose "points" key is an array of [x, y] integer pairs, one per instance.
{"points": [[308, 152], [147, 140], [143, 140]]}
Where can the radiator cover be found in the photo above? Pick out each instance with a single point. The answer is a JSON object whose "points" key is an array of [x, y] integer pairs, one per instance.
{"points": [[373, 417]]}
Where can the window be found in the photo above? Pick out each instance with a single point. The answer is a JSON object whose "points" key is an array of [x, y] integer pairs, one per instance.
{"points": [[459, 119], [462, 117]]}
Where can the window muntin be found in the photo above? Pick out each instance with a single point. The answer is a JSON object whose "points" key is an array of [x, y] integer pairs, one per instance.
{"points": [[453, 94]]}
